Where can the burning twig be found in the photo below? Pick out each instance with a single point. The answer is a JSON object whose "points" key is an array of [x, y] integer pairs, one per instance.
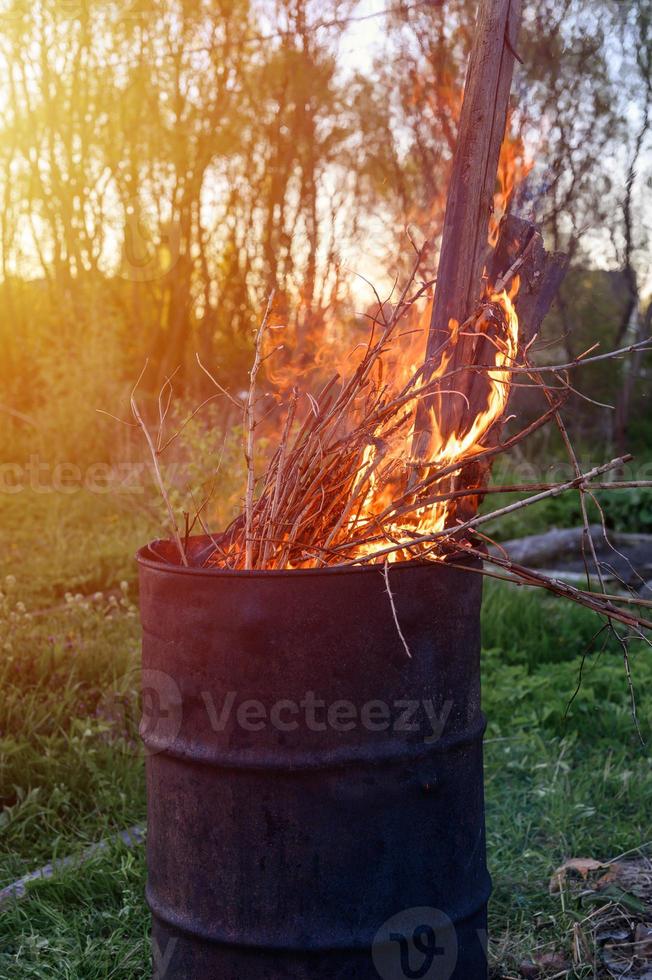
{"points": [[581, 481], [642, 345]]}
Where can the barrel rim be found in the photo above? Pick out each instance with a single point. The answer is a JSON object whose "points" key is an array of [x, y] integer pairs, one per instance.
{"points": [[146, 557]]}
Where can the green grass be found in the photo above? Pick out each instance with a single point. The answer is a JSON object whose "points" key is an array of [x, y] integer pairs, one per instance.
{"points": [[54, 543], [89, 923], [561, 781]]}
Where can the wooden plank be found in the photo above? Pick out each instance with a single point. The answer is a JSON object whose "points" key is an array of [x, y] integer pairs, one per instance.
{"points": [[470, 195]]}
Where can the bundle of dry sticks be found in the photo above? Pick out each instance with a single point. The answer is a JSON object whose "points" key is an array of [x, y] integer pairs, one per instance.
{"points": [[343, 485]]}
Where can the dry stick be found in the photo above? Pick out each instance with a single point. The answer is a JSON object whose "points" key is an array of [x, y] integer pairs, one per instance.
{"points": [[394, 613], [163, 410], [198, 510], [409, 394], [186, 421], [523, 368], [590, 599], [580, 482], [249, 426], [621, 640], [524, 488], [522, 575], [587, 537], [204, 526], [157, 470], [280, 471], [561, 425], [15, 414], [220, 388], [503, 281], [536, 579], [569, 366], [393, 513], [612, 547]]}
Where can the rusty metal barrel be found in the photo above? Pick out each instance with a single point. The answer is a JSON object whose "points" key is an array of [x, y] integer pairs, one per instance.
{"points": [[314, 771]]}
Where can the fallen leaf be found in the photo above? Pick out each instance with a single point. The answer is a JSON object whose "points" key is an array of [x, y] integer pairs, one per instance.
{"points": [[582, 867]]}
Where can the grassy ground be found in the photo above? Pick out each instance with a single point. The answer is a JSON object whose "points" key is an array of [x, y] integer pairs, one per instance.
{"points": [[559, 783]]}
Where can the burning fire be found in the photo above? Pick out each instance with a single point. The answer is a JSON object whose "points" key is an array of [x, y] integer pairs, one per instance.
{"points": [[346, 487], [343, 484], [457, 448]]}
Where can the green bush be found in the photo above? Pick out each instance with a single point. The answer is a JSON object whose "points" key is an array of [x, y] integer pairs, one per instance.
{"points": [[627, 510]]}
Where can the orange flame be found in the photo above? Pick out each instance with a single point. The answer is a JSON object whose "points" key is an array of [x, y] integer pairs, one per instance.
{"points": [[457, 448], [383, 472], [513, 168]]}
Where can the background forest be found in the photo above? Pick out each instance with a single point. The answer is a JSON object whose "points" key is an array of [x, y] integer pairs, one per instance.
{"points": [[163, 165]]}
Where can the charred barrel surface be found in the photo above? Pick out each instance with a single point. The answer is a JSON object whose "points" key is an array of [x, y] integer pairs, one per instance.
{"points": [[315, 795]]}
